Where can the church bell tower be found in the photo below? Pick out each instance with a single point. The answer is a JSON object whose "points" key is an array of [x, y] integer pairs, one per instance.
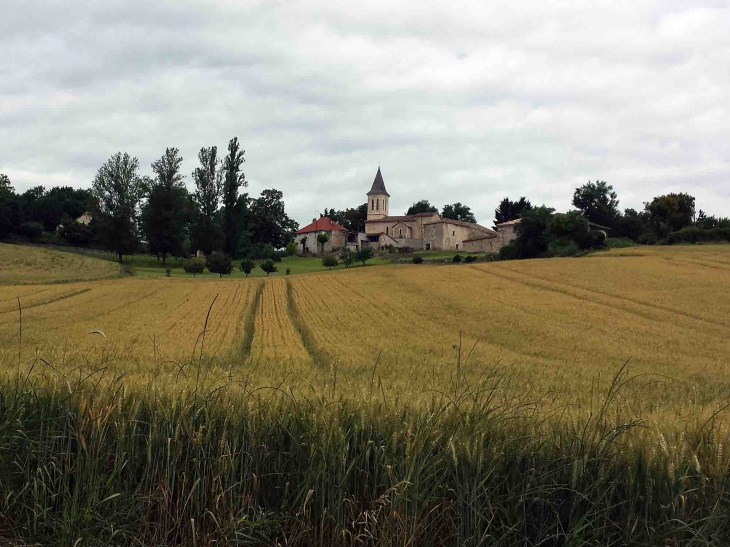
{"points": [[378, 199]]}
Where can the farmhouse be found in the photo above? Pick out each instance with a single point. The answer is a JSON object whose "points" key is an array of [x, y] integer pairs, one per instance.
{"points": [[306, 238]]}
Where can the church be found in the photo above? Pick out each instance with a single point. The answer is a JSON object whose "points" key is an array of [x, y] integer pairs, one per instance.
{"points": [[420, 232]]}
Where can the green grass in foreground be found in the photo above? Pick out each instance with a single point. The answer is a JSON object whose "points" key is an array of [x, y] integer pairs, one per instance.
{"points": [[86, 460]]}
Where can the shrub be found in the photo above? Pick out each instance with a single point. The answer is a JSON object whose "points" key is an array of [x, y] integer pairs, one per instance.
{"points": [[194, 267], [693, 234], [268, 266], [247, 265], [417, 259], [364, 254], [322, 239], [619, 242], [288, 271], [219, 263], [347, 258], [291, 248], [329, 261], [563, 247], [167, 272], [647, 238], [31, 230], [471, 258], [456, 259], [509, 252]]}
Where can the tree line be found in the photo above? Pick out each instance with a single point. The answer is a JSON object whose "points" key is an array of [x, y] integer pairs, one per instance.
{"points": [[131, 212], [669, 218]]}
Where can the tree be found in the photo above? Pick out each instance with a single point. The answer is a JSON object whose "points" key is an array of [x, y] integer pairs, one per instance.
{"points": [[510, 210], [533, 239], [631, 224], [8, 206], [207, 179], [598, 202], [571, 228], [670, 213], [347, 258], [351, 219], [165, 214], [247, 265], [118, 189], [233, 179], [268, 266], [322, 239], [32, 230], [291, 248], [194, 267], [269, 223], [5, 187], [458, 211], [364, 254], [76, 233], [219, 263], [329, 261], [422, 206], [705, 221]]}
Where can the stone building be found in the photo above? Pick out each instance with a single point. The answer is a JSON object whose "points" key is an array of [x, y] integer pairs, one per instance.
{"points": [[306, 238], [422, 231]]}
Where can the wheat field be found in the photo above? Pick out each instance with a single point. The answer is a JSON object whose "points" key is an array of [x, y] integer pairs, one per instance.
{"points": [[567, 323], [554, 402]]}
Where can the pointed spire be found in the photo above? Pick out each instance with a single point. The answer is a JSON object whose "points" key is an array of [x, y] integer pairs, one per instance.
{"points": [[378, 186]]}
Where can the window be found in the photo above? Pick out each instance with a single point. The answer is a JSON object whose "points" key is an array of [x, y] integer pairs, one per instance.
{"points": [[377, 204], [453, 233], [372, 205], [386, 230], [400, 232], [457, 246]]}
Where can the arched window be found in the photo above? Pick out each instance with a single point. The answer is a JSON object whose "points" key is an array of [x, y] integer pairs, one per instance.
{"points": [[386, 230], [372, 205], [400, 232], [377, 205]]}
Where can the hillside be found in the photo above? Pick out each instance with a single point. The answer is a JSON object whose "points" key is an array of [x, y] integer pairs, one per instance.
{"points": [[666, 309], [25, 265], [543, 402]]}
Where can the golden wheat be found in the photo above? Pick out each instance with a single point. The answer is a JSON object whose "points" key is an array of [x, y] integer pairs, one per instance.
{"points": [[566, 325]]}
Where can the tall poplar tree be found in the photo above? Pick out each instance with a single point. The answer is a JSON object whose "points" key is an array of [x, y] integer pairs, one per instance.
{"points": [[165, 214], [207, 179], [233, 179]]}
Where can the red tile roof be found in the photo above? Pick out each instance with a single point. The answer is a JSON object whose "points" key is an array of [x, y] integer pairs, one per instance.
{"points": [[324, 224]]}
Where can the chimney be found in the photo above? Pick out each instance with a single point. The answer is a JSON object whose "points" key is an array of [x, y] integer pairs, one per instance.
{"points": [[314, 220]]}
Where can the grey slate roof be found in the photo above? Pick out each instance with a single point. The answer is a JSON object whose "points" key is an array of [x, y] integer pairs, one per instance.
{"points": [[378, 185]]}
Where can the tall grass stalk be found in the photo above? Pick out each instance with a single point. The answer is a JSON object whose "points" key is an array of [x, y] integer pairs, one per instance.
{"points": [[86, 459]]}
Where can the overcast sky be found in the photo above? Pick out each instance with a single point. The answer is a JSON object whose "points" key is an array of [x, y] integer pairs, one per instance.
{"points": [[457, 101]]}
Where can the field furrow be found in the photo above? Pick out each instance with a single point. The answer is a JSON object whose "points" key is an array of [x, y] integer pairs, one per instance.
{"points": [[275, 337]]}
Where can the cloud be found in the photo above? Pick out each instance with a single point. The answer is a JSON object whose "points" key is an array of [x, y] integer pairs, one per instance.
{"points": [[468, 101]]}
